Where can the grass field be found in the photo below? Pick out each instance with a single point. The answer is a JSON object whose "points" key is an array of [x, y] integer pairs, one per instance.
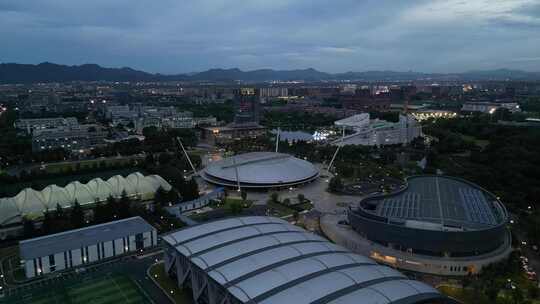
{"points": [[111, 289], [61, 167]]}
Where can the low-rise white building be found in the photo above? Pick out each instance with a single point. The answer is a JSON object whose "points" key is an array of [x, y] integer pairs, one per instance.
{"points": [[376, 132], [87, 245], [490, 107], [36, 124]]}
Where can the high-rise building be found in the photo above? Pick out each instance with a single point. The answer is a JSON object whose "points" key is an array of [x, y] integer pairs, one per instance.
{"points": [[246, 106]]}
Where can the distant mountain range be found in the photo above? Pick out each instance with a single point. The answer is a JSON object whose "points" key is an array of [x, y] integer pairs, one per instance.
{"points": [[50, 72]]}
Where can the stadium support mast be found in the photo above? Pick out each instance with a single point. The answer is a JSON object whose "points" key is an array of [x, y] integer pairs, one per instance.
{"points": [[187, 156], [277, 139], [337, 150], [237, 175]]}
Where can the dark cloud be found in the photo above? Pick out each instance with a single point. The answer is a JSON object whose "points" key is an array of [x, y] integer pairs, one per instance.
{"points": [[182, 36]]}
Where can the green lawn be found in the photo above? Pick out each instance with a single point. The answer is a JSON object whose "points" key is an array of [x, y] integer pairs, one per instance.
{"points": [[157, 271], [95, 290], [61, 167], [279, 209], [482, 143]]}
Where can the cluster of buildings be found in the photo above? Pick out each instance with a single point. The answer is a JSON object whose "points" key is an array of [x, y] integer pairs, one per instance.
{"points": [[247, 108], [62, 133], [155, 116]]}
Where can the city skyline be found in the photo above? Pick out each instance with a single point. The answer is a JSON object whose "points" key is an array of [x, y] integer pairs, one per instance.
{"points": [[168, 37]]}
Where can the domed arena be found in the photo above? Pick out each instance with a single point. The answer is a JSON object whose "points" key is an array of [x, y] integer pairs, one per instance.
{"points": [[260, 170]]}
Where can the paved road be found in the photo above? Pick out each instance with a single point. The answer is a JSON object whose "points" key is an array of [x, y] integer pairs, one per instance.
{"points": [[136, 270], [316, 192], [526, 250]]}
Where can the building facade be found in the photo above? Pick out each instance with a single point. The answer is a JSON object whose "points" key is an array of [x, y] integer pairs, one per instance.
{"points": [[246, 106], [376, 132], [490, 107], [79, 139], [35, 124], [65, 250]]}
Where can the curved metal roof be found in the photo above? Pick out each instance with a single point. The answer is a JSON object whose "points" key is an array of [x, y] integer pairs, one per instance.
{"points": [[260, 169], [432, 202], [268, 260]]}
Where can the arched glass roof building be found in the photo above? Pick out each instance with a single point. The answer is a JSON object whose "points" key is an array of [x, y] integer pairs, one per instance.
{"points": [[260, 170], [32, 203], [268, 260]]}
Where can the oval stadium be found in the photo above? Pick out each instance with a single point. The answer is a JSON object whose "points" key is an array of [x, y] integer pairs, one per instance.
{"points": [[434, 224], [260, 170]]}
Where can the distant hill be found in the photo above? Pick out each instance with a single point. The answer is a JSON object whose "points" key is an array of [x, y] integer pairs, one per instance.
{"points": [[50, 72]]}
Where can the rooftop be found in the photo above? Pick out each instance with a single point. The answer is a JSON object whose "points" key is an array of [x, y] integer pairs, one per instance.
{"points": [[268, 260], [74, 239], [431, 202], [261, 168]]}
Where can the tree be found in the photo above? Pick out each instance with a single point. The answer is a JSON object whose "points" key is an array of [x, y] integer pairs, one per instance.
{"points": [[29, 228], [517, 296], [274, 197], [77, 215], [59, 214], [101, 214], [112, 207], [61, 221], [160, 197], [243, 194], [335, 184], [164, 158], [191, 190], [172, 196], [287, 201], [149, 159], [234, 207], [47, 224], [301, 198], [124, 205]]}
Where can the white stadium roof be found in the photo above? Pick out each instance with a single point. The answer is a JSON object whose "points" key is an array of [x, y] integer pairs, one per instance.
{"points": [[30, 202], [260, 169], [268, 260]]}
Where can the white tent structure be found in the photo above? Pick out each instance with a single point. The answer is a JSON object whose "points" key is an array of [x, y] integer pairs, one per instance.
{"points": [[32, 203], [79, 192]]}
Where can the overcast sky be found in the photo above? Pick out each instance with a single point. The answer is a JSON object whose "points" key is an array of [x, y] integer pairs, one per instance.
{"points": [[178, 36]]}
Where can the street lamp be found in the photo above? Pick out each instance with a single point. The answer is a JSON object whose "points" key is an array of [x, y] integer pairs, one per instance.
{"points": [[491, 112]]}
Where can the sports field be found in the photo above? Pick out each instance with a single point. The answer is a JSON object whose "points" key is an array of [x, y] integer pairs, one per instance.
{"points": [[107, 289]]}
